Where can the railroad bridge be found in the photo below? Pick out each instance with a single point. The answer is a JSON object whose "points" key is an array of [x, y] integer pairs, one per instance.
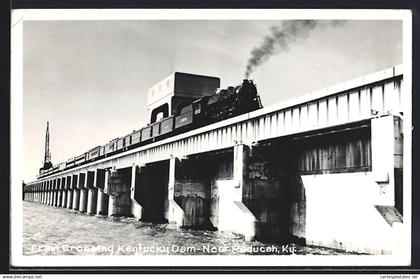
{"points": [[324, 168]]}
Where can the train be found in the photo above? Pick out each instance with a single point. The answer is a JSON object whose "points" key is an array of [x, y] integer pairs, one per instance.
{"points": [[225, 103]]}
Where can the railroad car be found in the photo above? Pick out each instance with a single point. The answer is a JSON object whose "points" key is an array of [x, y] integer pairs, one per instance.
{"points": [[94, 153], [78, 160], [70, 163], [135, 137], [111, 146]]}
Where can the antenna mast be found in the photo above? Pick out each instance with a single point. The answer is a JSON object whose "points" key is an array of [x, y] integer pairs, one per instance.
{"points": [[47, 155]]}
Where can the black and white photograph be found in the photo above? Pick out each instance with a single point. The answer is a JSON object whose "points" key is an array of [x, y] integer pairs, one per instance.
{"points": [[211, 137]]}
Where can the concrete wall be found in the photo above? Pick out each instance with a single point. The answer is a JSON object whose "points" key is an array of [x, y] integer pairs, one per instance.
{"points": [[341, 213], [222, 171], [348, 192]]}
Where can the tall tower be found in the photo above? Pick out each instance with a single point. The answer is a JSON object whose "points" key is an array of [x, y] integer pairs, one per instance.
{"points": [[47, 155]]}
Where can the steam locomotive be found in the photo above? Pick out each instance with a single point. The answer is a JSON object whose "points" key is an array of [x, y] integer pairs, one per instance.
{"points": [[226, 103]]}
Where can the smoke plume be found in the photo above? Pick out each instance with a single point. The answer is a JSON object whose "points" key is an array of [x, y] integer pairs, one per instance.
{"points": [[280, 38]]}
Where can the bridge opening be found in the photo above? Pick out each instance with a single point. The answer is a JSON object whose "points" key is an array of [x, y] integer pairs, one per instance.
{"points": [[312, 167], [196, 187], [269, 176], [152, 191]]}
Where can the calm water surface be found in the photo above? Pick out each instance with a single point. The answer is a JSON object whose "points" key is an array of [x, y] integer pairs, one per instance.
{"points": [[58, 231]]}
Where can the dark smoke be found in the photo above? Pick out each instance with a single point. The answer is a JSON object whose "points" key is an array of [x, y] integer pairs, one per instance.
{"points": [[280, 38]]}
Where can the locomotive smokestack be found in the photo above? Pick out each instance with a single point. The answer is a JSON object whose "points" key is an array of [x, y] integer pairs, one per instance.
{"points": [[280, 38]]}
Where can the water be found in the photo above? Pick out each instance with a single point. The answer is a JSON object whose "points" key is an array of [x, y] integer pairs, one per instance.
{"points": [[58, 231]]}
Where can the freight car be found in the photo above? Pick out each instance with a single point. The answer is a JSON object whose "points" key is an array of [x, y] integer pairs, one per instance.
{"points": [[226, 103]]}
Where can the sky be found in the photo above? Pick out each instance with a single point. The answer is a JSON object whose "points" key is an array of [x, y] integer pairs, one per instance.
{"points": [[89, 79]]}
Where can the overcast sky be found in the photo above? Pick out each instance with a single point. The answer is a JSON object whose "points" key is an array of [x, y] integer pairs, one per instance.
{"points": [[90, 78]]}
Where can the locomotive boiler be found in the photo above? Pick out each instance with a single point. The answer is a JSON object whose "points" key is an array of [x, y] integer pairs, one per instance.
{"points": [[180, 103]]}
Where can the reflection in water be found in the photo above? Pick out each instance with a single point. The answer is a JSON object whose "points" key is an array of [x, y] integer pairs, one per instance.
{"points": [[58, 231]]}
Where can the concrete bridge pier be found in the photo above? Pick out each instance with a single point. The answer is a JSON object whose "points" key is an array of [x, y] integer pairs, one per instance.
{"points": [[83, 192], [49, 193], [44, 193], [136, 209], [69, 196], [54, 198], [47, 197], [118, 187], [92, 200], [83, 200], [59, 192], [47, 200], [76, 199], [69, 204], [234, 215], [102, 204], [64, 198], [173, 212], [53, 192], [92, 193], [151, 192], [76, 192], [59, 197], [103, 198], [56, 190], [63, 191]]}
